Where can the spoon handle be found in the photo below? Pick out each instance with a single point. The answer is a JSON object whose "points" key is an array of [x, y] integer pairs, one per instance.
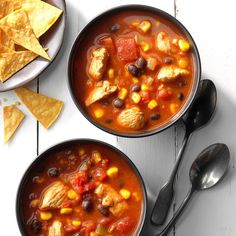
{"points": [[165, 196], [169, 226]]}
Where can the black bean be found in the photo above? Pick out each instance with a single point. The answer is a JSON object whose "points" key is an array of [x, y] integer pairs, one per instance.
{"points": [[87, 204], [105, 103], [36, 226], [168, 60], [118, 103], [103, 210], [136, 88], [180, 96], [115, 28], [133, 70], [155, 116], [53, 172], [141, 63]]}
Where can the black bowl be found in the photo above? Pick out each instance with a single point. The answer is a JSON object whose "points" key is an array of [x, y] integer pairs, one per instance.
{"points": [[62, 146], [197, 67]]}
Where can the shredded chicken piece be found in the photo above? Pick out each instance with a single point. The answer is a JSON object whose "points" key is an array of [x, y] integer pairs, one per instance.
{"points": [[98, 63], [171, 73], [54, 196], [163, 42], [131, 118], [110, 198], [102, 90], [55, 229]]}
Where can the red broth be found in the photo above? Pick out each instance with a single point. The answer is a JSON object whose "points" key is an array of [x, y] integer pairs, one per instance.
{"points": [[82, 169], [157, 101]]}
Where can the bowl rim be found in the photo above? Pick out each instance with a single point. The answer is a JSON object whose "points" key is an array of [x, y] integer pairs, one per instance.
{"points": [[44, 68], [193, 92], [61, 145]]}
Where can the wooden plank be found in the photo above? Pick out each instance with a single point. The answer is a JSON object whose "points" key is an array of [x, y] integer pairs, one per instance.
{"points": [[212, 212], [15, 157]]}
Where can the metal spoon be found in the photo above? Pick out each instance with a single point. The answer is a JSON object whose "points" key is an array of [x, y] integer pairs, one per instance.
{"points": [[197, 116], [205, 172]]}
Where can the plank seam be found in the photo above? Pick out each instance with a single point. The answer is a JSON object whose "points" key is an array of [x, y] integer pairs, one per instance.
{"points": [[37, 131]]}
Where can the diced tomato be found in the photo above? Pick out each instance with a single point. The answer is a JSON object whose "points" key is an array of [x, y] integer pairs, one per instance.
{"points": [[70, 228], [164, 94], [105, 221], [107, 42], [89, 186], [122, 226], [145, 96], [79, 181], [126, 49], [105, 163], [89, 225], [99, 174]]}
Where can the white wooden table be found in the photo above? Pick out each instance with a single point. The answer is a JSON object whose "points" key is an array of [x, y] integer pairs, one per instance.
{"points": [[213, 212]]}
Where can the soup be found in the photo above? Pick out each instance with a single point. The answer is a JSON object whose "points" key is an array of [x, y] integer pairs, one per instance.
{"points": [[83, 190], [133, 71]]}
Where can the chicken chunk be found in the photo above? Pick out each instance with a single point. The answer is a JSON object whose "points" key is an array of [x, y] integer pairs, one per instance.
{"points": [[98, 63], [54, 196], [102, 90], [56, 229], [131, 118], [111, 199], [171, 73], [163, 43]]}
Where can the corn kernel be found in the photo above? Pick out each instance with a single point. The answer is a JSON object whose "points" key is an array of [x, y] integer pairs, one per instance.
{"points": [[136, 97], [145, 26], [184, 45], [111, 73], [152, 104], [144, 87], [45, 215], [125, 193], [81, 151], [76, 223], [72, 194], [96, 157], [93, 234], [34, 203], [65, 210], [123, 94], [174, 108], [135, 108], [145, 46], [112, 171], [99, 113], [135, 80], [183, 63]]}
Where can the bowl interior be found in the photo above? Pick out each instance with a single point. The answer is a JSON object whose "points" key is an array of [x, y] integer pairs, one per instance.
{"points": [[52, 40], [39, 164], [83, 36]]}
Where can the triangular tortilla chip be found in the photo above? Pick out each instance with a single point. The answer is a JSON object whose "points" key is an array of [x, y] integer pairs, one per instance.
{"points": [[12, 119], [6, 7], [12, 62], [17, 27], [45, 109], [41, 15], [6, 41]]}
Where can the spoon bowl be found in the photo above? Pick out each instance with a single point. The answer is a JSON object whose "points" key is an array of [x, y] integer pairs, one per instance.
{"points": [[209, 167]]}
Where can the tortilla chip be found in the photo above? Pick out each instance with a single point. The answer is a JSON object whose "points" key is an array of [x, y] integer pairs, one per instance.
{"points": [[45, 109], [6, 41], [12, 62], [5, 49], [12, 119], [17, 27], [41, 15], [18, 3], [6, 7]]}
